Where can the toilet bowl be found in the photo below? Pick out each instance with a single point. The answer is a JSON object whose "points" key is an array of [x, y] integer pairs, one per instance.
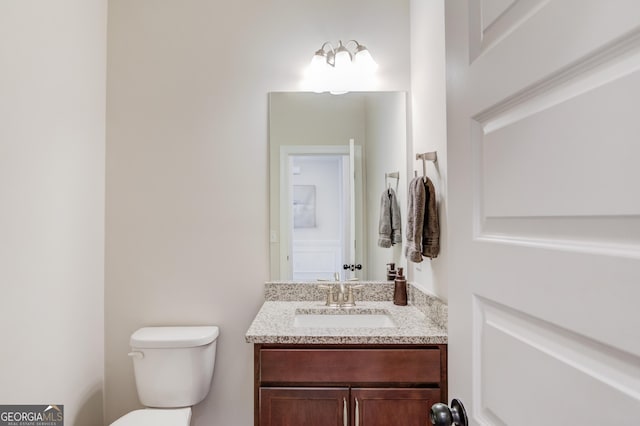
{"points": [[156, 417], [173, 368]]}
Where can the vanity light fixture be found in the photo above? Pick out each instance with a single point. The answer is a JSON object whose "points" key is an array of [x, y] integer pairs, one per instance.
{"points": [[339, 69]]}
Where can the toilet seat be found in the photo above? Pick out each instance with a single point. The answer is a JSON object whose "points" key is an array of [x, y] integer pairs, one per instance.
{"points": [[156, 417]]}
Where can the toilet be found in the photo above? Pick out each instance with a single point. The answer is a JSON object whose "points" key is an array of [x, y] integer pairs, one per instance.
{"points": [[173, 368]]}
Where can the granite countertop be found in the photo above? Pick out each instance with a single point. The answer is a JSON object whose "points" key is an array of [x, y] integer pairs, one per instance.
{"points": [[274, 323]]}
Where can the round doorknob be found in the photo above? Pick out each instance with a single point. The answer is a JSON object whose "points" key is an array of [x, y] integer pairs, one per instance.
{"points": [[442, 415], [352, 267]]}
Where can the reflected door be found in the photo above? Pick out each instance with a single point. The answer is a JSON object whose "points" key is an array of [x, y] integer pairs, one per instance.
{"points": [[350, 255], [320, 205], [321, 202]]}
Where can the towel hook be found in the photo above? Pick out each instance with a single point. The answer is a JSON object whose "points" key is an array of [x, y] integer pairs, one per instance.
{"points": [[392, 175], [427, 156]]}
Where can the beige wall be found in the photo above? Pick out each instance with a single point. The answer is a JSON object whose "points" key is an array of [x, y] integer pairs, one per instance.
{"points": [[52, 140], [428, 86], [187, 165], [386, 118], [187, 135]]}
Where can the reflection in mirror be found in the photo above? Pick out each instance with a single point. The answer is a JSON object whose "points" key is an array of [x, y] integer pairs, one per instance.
{"points": [[328, 159]]}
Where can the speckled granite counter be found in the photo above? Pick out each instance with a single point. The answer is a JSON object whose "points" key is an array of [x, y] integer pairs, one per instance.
{"points": [[423, 321]]}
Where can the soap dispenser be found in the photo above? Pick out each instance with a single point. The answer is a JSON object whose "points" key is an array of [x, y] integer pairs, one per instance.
{"points": [[400, 289], [391, 271]]}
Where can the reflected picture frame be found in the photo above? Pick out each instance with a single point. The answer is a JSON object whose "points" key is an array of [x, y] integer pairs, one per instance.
{"points": [[304, 206]]}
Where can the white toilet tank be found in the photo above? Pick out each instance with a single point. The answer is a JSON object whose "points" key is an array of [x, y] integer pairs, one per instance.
{"points": [[173, 366]]}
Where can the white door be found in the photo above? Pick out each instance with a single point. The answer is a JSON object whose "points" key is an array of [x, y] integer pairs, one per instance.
{"points": [[544, 210]]}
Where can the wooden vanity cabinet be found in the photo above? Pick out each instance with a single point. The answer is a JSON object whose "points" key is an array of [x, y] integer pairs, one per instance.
{"points": [[303, 406], [348, 385], [393, 406]]}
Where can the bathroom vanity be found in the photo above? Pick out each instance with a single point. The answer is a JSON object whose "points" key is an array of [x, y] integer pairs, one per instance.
{"points": [[348, 384], [356, 371]]}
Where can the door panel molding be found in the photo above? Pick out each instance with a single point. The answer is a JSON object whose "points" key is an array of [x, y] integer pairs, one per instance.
{"points": [[617, 236], [557, 358], [485, 33], [526, 163], [509, 159], [493, 10], [612, 61]]}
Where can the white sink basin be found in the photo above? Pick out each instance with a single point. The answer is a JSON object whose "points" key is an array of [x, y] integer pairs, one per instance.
{"points": [[355, 320]]}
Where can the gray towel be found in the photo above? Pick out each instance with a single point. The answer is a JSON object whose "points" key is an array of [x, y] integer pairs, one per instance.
{"points": [[423, 229], [431, 228], [389, 226], [415, 220]]}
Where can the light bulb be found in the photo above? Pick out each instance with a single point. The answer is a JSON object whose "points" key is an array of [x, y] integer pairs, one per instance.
{"points": [[364, 61], [342, 70], [342, 58], [318, 63]]}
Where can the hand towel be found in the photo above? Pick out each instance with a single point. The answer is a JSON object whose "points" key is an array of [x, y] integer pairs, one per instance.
{"points": [[431, 228], [415, 219], [423, 228], [389, 225]]}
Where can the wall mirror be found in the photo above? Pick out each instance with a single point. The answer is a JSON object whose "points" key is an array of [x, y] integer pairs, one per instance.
{"points": [[329, 160]]}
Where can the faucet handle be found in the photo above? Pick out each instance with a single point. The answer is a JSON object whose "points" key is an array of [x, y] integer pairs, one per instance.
{"points": [[330, 288], [330, 294], [350, 300]]}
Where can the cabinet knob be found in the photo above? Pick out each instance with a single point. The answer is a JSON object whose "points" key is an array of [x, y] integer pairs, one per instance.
{"points": [[442, 415]]}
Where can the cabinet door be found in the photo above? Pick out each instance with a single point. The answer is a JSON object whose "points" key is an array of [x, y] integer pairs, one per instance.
{"points": [[304, 406], [388, 406]]}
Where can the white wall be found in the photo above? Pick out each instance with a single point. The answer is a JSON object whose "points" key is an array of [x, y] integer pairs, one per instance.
{"points": [[187, 165], [428, 86], [52, 140]]}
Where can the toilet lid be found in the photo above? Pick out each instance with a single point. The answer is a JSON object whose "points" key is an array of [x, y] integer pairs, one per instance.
{"points": [[156, 417]]}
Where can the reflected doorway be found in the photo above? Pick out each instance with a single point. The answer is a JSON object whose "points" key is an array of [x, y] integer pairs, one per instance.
{"points": [[320, 198]]}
